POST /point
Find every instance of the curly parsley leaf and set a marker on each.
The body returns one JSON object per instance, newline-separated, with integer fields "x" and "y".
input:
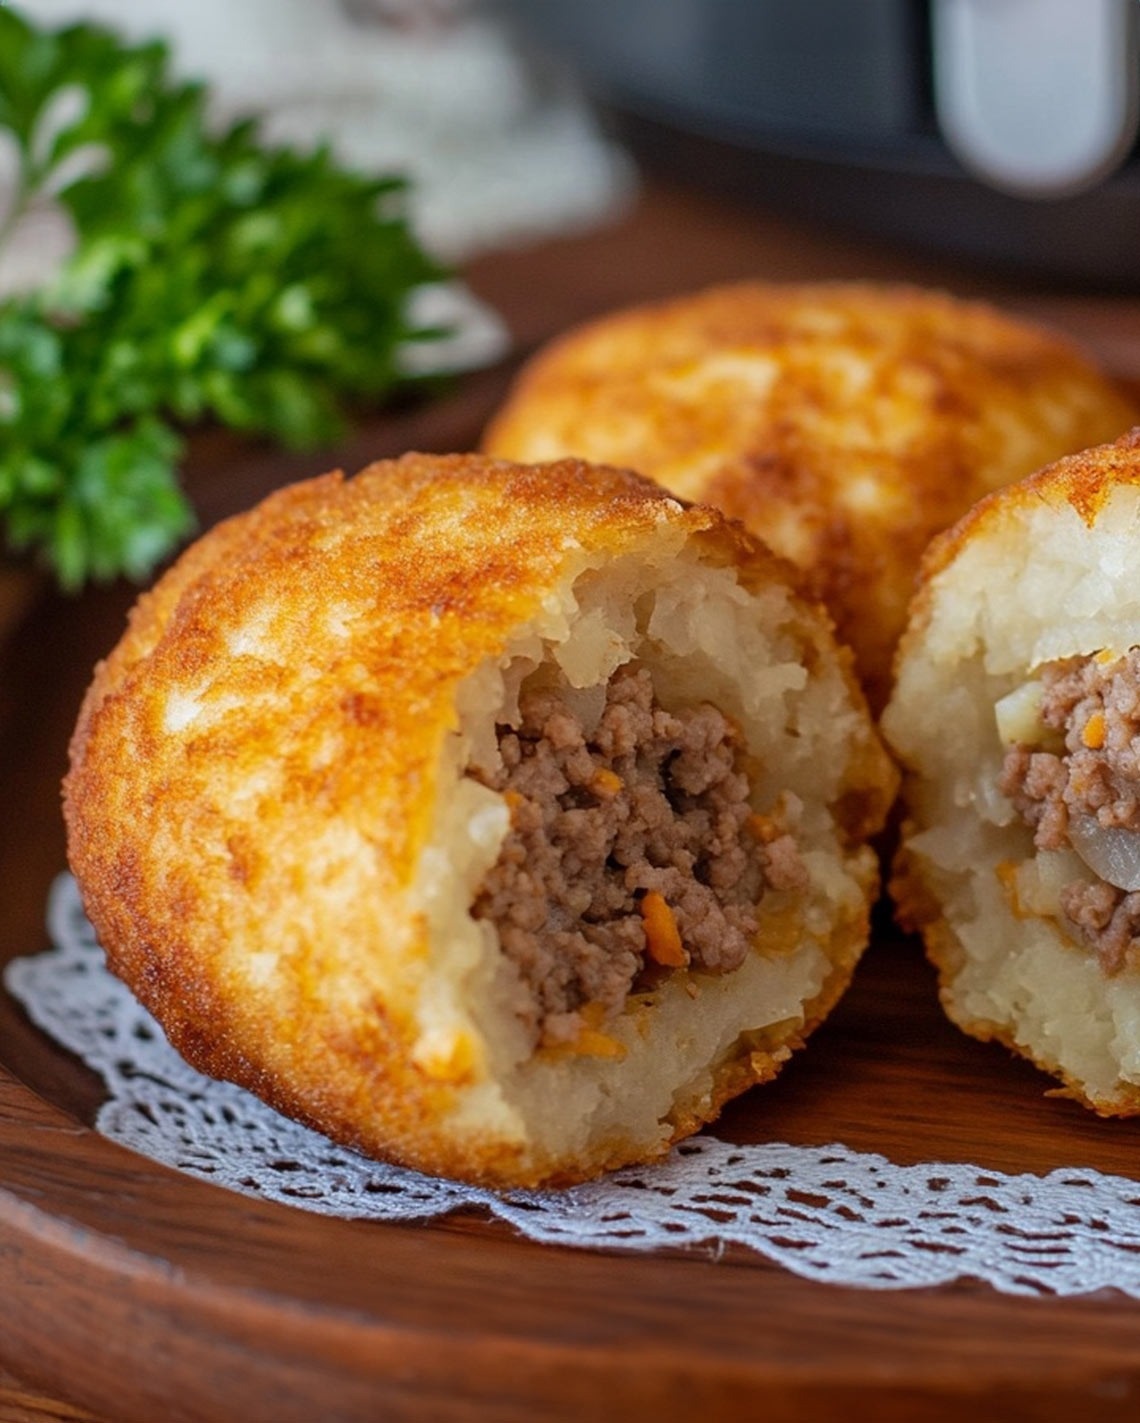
{"x": 213, "y": 278}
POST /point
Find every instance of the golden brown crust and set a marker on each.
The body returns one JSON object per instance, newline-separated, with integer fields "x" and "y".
{"x": 253, "y": 774}
{"x": 845, "y": 423}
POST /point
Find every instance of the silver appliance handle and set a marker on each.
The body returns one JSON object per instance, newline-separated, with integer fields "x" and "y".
{"x": 1037, "y": 97}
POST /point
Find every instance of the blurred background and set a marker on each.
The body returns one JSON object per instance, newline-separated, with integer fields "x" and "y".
{"x": 501, "y": 146}
{"x": 1002, "y": 132}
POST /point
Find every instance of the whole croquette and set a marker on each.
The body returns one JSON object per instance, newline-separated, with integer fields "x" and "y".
{"x": 844, "y": 423}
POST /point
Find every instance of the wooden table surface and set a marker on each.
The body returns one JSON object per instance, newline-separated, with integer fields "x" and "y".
{"x": 129, "y": 1294}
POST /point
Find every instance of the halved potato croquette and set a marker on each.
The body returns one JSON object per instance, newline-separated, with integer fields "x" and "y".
{"x": 1016, "y": 716}
{"x": 500, "y": 821}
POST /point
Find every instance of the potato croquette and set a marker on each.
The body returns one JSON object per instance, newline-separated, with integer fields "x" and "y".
{"x": 844, "y": 423}
{"x": 1017, "y": 720}
{"x": 499, "y": 821}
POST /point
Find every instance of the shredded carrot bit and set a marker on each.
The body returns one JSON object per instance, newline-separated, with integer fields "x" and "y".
{"x": 1006, "y": 873}
{"x": 662, "y": 937}
{"x": 605, "y": 782}
{"x": 1093, "y": 733}
{"x": 593, "y": 1014}
{"x": 763, "y": 828}
{"x": 591, "y": 1040}
{"x": 591, "y": 1043}
{"x": 513, "y": 799}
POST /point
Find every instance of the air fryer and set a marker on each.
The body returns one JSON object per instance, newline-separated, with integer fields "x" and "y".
{"x": 1002, "y": 131}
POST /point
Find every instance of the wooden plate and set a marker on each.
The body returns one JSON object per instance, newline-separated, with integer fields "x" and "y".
{"x": 143, "y": 1294}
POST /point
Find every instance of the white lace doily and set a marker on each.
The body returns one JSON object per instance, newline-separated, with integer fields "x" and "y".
{"x": 827, "y": 1213}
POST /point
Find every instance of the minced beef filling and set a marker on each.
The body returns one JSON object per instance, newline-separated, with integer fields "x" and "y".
{"x": 1094, "y": 704}
{"x": 648, "y": 802}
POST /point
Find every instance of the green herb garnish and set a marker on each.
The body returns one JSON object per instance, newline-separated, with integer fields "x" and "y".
{"x": 213, "y": 278}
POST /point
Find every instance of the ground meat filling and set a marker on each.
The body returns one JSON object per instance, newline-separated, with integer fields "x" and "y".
{"x": 1092, "y": 787}
{"x": 633, "y": 849}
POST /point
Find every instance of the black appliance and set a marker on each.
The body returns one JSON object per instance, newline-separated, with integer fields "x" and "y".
{"x": 996, "y": 130}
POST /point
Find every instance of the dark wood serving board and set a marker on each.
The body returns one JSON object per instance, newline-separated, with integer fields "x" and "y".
{"x": 129, "y": 1293}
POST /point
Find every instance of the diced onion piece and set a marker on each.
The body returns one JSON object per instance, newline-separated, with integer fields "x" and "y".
{"x": 1040, "y": 879}
{"x": 1109, "y": 851}
{"x": 587, "y": 704}
{"x": 1018, "y": 716}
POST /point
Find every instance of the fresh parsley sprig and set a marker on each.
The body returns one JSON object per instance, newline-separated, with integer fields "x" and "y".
{"x": 213, "y": 279}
